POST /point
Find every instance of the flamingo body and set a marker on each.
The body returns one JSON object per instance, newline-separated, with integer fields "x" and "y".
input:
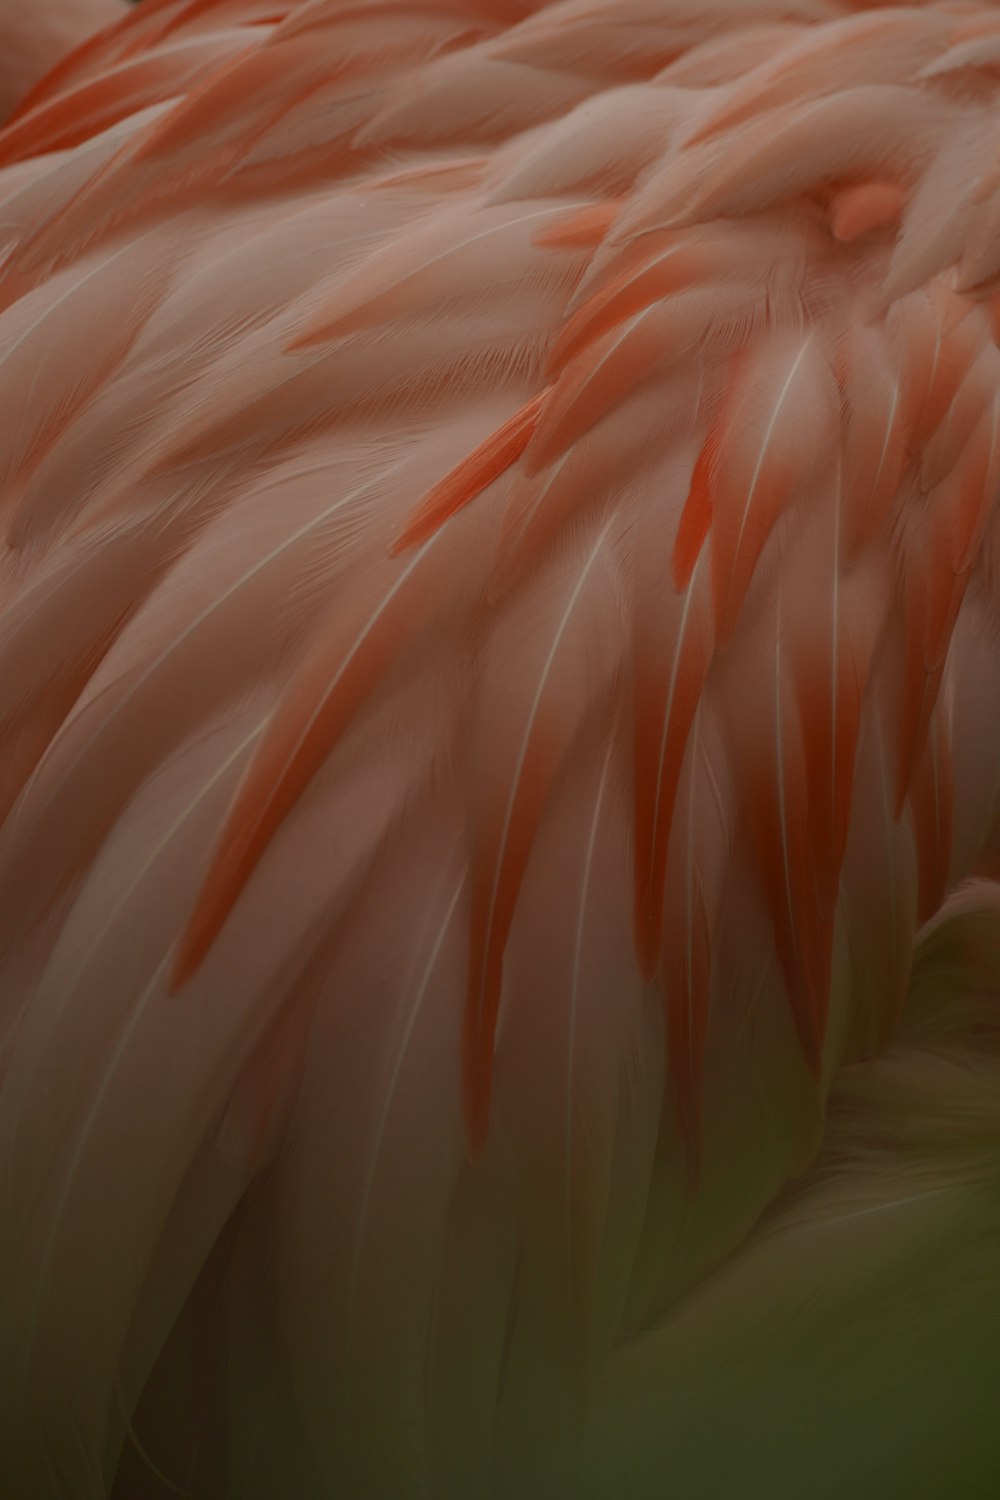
{"x": 499, "y": 631}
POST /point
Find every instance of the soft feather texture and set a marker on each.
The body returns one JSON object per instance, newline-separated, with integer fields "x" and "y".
{"x": 499, "y": 633}
{"x": 34, "y": 38}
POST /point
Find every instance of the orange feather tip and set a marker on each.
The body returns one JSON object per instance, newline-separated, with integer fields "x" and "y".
{"x": 583, "y": 229}
{"x": 309, "y": 337}
{"x": 214, "y": 904}
{"x": 188, "y": 959}
{"x": 471, "y": 477}
{"x": 696, "y": 517}
{"x": 641, "y": 280}
{"x": 859, "y": 210}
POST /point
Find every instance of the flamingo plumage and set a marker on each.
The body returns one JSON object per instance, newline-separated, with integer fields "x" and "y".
{"x": 499, "y": 823}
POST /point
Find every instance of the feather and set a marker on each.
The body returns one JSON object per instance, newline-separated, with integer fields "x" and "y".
{"x": 965, "y": 496}
{"x": 596, "y": 381}
{"x": 685, "y": 959}
{"x": 874, "y": 49}
{"x": 634, "y": 38}
{"x": 931, "y": 809}
{"x": 364, "y": 636}
{"x": 673, "y": 644}
{"x": 195, "y": 144}
{"x": 470, "y": 97}
{"x": 131, "y": 1023}
{"x": 605, "y": 468}
{"x": 780, "y": 390}
{"x": 936, "y": 574}
{"x": 506, "y": 532}
{"x": 205, "y": 636}
{"x": 774, "y": 794}
{"x": 940, "y": 215}
{"x": 879, "y": 882}
{"x": 696, "y": 517}
{"x": 836, "y": 619}
{"x": 600, "y": 148}
{"x": 582, "y": 228}
{"x": 940, "y": 340}
{"x": 683, "y": 262}
{"x": 38, "y": 191}
{"x": 474, "y": 475}
{"x": 100, "y": 310}
{"x": 972, "y": 695}
{"x": 565, "y": 1073}
{"x": 970, "y": 52}
{"x": 979, "y": 262}
{"x": 55, "y": 634}
{"x": 875, "y": 437}
{"x": 861, "y": 210}
{"x": 558, "y": 675}
{"x": 78, "y": 114}
{"x": 873, "y": 130}
{"x": 430, "y": 265}
{"x": 728, "y": 57}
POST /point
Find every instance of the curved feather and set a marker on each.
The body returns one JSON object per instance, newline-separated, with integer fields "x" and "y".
{"x": 783, "y": 388}
{"x": 546, "y": 701}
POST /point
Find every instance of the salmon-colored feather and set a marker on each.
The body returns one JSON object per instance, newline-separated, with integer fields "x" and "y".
{"x": 880, "y": 46}
{"x": 476, "y": 473}
{"x": 543, "y": 509}
{"x": 869, "y": 206}
{"x": 693, "y": 892}
{"x": 933, "y": 591}
{"x": 696, "y": 517}
{"x": 674, "y": 642}
{"x": 590, "y": 387}
{"x": 963, "y": 497}
{"x": 687, "y": 983}
{"x": 543, "y": 720}
{"x": 840, "y": 617}
{"x": 676, "y": 267}
{"x": 429, "y": 266}
{"x": 930, "y": 799}
{"x": 77, "y": 114}
{"x": 581, "y": 229}
{"x": 775, "y": 394}
{"x": 774, "y": 783}
{"x": 342, "y": 670}
{"x": 875, "y": 436}
{"x": 657, "y": 339}
{"x": 941, "y": 339}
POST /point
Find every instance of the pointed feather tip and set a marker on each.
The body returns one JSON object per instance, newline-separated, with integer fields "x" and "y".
{"x": 216, "y": 898}
{"x": 313, "y": 334}
{"x": 582, "y": 229}
{"x": 696, "y": 517}
{"x": 327, "y": 327}
{"x": 471, "y": 477}
{"x": 188, "y": 959}
{"x": 421, "y": 526}
{"x": 914, "y": 728}
{"x": 862, "y": 208}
